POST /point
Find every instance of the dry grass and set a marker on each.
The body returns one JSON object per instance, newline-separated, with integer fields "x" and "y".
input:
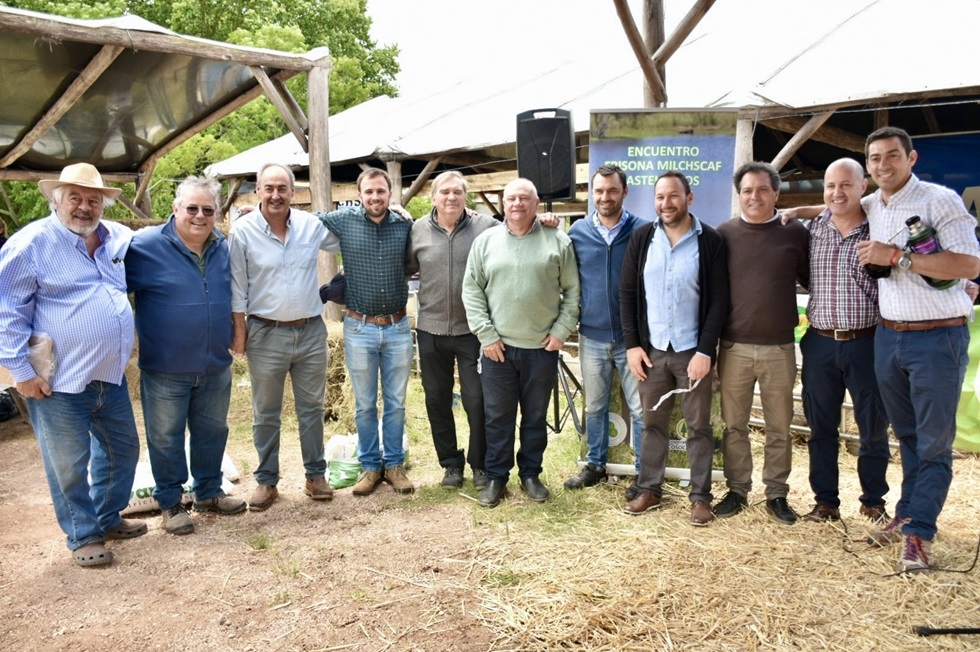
{"x": 614, "y": 582}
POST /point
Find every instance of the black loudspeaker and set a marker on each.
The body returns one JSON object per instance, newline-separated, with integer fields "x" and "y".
{"x": 546, "y": 152}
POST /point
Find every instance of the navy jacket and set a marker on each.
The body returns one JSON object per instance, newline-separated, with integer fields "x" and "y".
{"x": 599, "y": 268}
{"x": 183, "y": 319}
{"x": 713, "y": 301}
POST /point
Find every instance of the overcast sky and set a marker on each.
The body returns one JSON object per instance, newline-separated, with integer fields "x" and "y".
{"x": 443, "y": 41}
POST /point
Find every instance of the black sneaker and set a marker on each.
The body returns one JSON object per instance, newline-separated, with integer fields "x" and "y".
{"x": 480, "y": 478}
{"x": 589, "y": 476}
{"x": 730, "y": 505}
{"x": 780, "y": 511}
{"x": 453, "y": 479}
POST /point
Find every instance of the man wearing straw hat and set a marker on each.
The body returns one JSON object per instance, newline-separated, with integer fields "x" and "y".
{"x": 64, "y": 276}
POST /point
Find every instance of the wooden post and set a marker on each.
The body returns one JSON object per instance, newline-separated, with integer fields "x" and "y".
{"x": 319, "y": 141}
{"x": 744, "y": 129}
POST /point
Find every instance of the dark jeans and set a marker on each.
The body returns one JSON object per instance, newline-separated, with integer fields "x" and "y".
{"x": 437, "y": 356}
{"x": 830, "y": 367}
{"x": 526, "y": 378}
{"x": 920, "y": 375}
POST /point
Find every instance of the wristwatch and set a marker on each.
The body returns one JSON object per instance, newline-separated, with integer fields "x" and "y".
{"x": 905, "y": 261}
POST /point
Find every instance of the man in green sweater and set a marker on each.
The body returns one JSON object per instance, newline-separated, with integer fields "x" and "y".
{"x": 521, "y": 293}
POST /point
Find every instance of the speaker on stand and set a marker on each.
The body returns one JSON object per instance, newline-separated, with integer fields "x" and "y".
{"x": 546, "y": 152}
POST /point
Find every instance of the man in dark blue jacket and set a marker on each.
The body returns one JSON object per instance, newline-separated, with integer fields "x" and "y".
{"x": 180, "y": 277}
{"x": 600, "y": 242}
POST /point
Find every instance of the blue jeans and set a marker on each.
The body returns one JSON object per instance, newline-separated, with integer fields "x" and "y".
{"x": 598, "y": 361}
{"x": 526, "y": 377}
{"x": 173, "y": 404}
{"x": 301, "y": 352}
{"x": 830, "y": 367}
{"x": 438, "y": 356}
{"x": 72, "y": 429}
{"x": 370, "y": 351}
{"x": 920, "y": 374}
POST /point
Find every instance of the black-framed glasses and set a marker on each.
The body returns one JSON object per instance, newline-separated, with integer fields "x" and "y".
{"x": 193, "y": 209}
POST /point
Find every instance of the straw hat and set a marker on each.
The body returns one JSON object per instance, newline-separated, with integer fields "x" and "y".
{"x": 80, "y": 174}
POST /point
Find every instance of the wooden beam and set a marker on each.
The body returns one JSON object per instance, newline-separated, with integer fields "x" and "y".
{"x": 52, "y": 29}
{"x": 881, "y": 120}
{"x": 233, "y": 187}
{"x": 801, "y": 136}
{"x": 294, "y": 108}
{"x": 82, "y": 83}
{"x": 420, "y": 180}
{"x": 636, "y": 43}
{"x": 682, "y": 31}
{"x": 146, "y": 175}
{"x": 489, "y": 204}
{"x": 33, "y": 175}
{"x": 281, "y": 105}
{"x": 931, "y": 120}
{"x": 781, "y": 138}
{"x": 825, "y": 134}
{"x": 233, "y": 105}
{"x": 395, "y": 172}
{"x": 653, "y": 11}
{"x": 122, "y": 199}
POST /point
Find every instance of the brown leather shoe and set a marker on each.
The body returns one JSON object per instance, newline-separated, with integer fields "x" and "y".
{"x": 367, "y": 483}
{"x": 127, "y": 529}
{"x": 876, "y": 514}
{"x": 398, "y": 479}
{"x": 644, "y": 502}
{"x": 821, "y": 513}
{"x": 318, "y": 489}
{"x": 701, "y": 513}
{"x": 262, "y": 498}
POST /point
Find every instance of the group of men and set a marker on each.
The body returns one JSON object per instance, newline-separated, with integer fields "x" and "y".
{"x": 660, "y": 302}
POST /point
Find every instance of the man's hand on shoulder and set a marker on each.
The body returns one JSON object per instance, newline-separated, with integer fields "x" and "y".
{"x": 550, "y": 219}
{"x": 801, "y": 213}
{"x": 34, "y": 388}
{"x": 398, "y": 209}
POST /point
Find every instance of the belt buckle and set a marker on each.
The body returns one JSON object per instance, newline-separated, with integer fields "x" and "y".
{"x": 842, "y": 338}
{"x": 383, "y": 320}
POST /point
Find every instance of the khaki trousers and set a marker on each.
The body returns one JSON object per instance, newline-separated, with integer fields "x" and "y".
{"x": 773, "y": 366}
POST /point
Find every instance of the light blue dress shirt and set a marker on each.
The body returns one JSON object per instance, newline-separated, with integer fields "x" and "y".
{"x": 670, "y": 280}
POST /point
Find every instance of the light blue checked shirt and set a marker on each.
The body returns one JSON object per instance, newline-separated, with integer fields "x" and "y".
{"x": 50, "y": 285}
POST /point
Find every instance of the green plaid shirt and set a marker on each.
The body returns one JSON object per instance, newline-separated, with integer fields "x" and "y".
{"x": 374, "y": 259}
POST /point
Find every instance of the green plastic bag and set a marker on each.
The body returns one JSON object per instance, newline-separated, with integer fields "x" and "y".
{"x": 343, "y": 472}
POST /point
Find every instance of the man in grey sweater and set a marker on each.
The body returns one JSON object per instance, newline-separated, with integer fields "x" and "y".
{"x": 441, "y": 244}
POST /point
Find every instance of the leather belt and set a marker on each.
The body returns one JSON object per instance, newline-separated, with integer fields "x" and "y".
{"x": 926, "y": 325}
{"x": 841, "y": 335}
{"x": 275, "y": 324}
{"x": 377, "y": 320}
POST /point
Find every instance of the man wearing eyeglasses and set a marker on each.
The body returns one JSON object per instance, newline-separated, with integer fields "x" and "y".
{"x": 180, "y": 278}
{"x": 273, "y": 281}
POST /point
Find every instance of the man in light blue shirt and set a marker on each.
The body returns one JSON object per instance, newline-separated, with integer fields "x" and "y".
{"x": 273, "y": 255}
{"x": 64, "y": 276}
{"x": 674, "y": 301}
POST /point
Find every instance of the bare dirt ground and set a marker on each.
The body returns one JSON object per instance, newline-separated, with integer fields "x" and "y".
{"x": 435, "y": 572}
{"x": 348, "y": 574}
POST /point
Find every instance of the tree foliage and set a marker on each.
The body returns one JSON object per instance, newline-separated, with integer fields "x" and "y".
{"x": 361, "y": 70}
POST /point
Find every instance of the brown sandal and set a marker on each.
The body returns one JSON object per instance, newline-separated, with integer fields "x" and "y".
{"x": 92, "y": 554}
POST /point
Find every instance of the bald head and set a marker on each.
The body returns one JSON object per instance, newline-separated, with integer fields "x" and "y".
{"x": 843, "y": 186}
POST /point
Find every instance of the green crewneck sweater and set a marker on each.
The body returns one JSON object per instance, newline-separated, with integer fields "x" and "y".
{"x": 520, "y": 289}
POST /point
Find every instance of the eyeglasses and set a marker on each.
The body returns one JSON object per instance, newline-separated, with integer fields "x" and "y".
{"x": 192, "y": 210}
